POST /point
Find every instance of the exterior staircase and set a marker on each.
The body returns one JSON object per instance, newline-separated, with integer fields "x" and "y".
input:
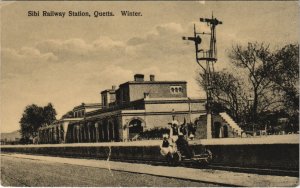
{"x": 231, "y": 123}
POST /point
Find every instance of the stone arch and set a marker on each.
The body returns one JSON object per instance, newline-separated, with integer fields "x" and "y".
{"x": 101, "y": 131}
{"x": 97, "y": 130}
{"x": 136, "y": 118}
{"x": 116, "y": 129}
{"x": 113, "y": 129}
{"x": 105, "y": 134}
{"x": 135, "y": 126}
{"x": 92, "y": 131}
{"x": 217, "y": 129}
{"x": 110, "y": 129}
{"x": 225, "y": 131}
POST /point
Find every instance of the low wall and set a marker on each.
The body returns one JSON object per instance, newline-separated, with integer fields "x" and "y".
{"x": 255, "y": 154}
{"x": 279, "y": 156}
{"x": 140, "y": 153}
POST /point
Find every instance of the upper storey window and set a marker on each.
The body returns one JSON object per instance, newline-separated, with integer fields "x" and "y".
{"x": 176, "y": 89}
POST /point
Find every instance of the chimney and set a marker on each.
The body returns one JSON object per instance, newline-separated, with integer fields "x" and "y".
{"x": 138, "y": 77}
{"x": 113, "y": 87}
{"x": 152, "y": 77}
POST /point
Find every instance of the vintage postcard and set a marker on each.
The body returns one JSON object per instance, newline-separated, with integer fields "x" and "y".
{"x": 149, "y": 93}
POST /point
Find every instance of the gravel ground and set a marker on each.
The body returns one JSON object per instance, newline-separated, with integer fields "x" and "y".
{"x": 27, "y": 172}
{"x": 34, "y": 170}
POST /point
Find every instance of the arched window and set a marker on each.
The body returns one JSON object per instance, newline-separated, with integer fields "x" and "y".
{"x": 225, "y": 129}
{"x": 217, "y": 129}
{"x": 135, "y": 128}
{"x": 176, "y": 89}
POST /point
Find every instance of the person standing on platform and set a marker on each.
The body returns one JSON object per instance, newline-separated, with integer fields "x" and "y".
{"x": 174, "y": 130}
{"x": 182, "y": 143}
{"x": 191, "y": 131}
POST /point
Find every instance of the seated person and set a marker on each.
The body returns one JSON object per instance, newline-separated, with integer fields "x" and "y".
{"x": 165, "y": 143}
{"x": 166, "y": 147}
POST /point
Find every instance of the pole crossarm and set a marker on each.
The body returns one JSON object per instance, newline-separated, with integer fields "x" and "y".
{"x": 206, "y": 60}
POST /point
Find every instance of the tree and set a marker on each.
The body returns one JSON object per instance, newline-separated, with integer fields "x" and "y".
{"x": 256, "y": 60}
{"x": 284, "y": 73}
{"x": 226, "y": 92}
{"x": 263, "y": 82}
{"x": 33, "y": 118}
{"x": 49, "y": 114}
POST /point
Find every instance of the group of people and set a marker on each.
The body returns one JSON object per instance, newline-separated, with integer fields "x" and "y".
{"x": 177, "y": 140}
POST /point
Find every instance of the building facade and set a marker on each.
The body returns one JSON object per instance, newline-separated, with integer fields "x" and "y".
{"x": 126, "y": 112}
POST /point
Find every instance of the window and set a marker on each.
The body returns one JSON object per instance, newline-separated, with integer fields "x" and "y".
{"x": 176, "y": 89}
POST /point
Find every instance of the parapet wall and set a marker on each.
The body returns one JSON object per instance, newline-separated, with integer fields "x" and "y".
{"x": 279, "y": 156}
{"x": 261, "y": 155}
{"x": 138, "y": 153}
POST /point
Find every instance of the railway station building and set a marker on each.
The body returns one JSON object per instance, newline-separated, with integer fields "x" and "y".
{"x": 127, "y": 111}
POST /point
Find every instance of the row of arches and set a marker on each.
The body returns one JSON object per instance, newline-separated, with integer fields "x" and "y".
{"x": 97, "y": 131}
{"x": 107, "y": 130}
{"x": 52, "y": 135}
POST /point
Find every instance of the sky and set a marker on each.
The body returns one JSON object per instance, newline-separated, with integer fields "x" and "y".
{"x": 70, "y": 60}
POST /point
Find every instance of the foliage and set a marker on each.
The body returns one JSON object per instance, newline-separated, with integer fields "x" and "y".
{"x": 285, "y": 76}
{"x": 226, "y": 92}
{"x": 49, "y": 114}
{"x": 155, "y": 133}
{"x": 266, "y": 82}
{"x": 256, "y": 59}
{"x": 33, "y": 118}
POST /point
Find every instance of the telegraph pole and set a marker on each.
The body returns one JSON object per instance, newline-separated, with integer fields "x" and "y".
{"x": 206, "y": 60}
